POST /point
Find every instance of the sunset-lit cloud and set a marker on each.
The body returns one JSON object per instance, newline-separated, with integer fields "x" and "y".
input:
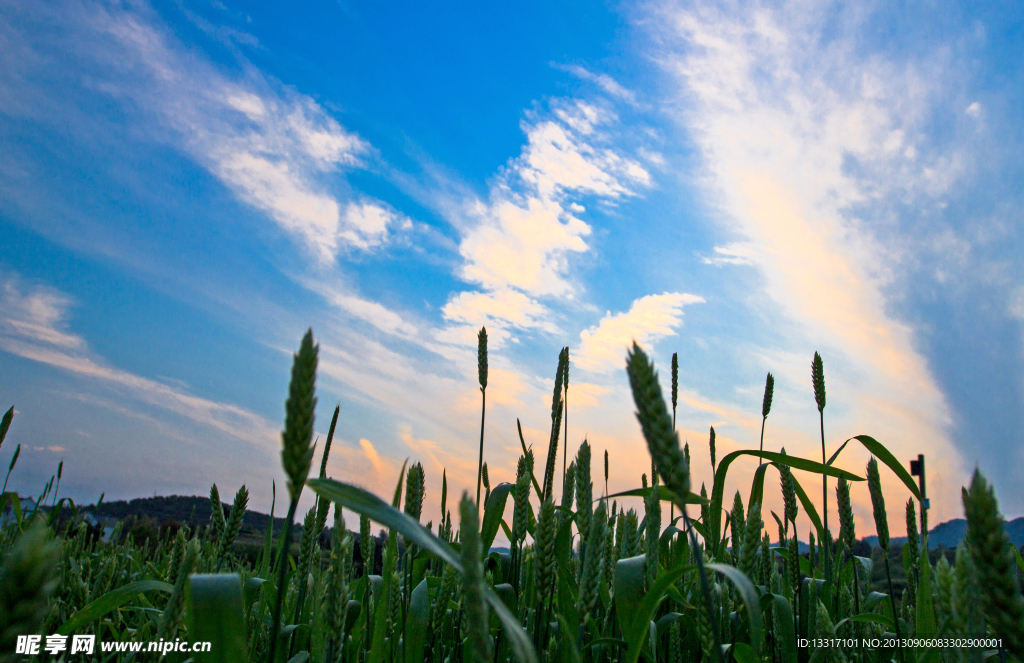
{"x": 602, "y": 349}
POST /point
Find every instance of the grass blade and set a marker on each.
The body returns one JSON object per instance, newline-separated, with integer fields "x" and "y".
{"x": 664, "y": 494}
{"x": 112, "y": 600}
{"x": 367, "y": 504}
{"x": 778, "y": 458}
{"x": 217, "y": 617}
{"x": 645, "y": 609}
{"x": 494, "y": 510}
{"x": 750, "y": 599}
{"x": 416, "y": 624}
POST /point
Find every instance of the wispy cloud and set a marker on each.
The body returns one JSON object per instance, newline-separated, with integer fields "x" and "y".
{"x": 731, "y": 254}
{"x": 779, "y": 121}
{"x": 34, "y": 325}
{"x": 604, "y": 81}
{"x": 274, "y": 147}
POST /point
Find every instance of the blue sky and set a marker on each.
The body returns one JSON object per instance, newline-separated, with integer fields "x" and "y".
{"x": 185, "y": 188}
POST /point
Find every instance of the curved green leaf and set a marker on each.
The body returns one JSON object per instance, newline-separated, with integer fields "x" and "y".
{"x": 879, "y": 451}
{"x": 795, "y": 462}
{"x": 809, "y": 509}
{"x": 611, "y": 642}
{"x": 757, "y": 488}
{"x": 784, "y": 624}
{"x": 112, "y": 600}
{"x": 874, "y": 598}
{"x": 569, "y": 642}
{"x": 629, "y": 589}
{"x": 252, "y": 586}
{"x": 640, "y": 621}
{"x": 750, "y": 599}
{"x": 664, "y": 494}
{"x": 367, "y": 504}
{"x": 494, "y": 509}
{"x": 868, "y": 617}
{"x": 744, "y": 653}
{"x": 805, "y": 566}
{"x": 416, "y": 624}
{"x": 522, "y": 442}
{"x": 522, "y": 647}
{"x": 833, "y": 457}
{"x": 217, "y": 617}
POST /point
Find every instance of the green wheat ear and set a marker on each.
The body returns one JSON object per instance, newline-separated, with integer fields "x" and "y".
{"x": 27, "y": 579}
{"x": 913, "y": 537}
{"x": 846, "y": 524}
{"x": 176, "y": 602}
{"x": 675, "y": 380}
{"x": 769, "y": 390}
{"x": 234, "y": 522}
{"x": 330, "y": 439}
{"x": 584, "y": 491}
{"x": 878, "y": 505}
{"x": 711, "y": 446}
{"x": 296, "y": 452}
{"x": 216, "y": 512}
{"x": 593, "y": 563}
{"x": 991, "y": 551}
{"x": 481, "y": 357}
{"x": 5, "y": 423}
{"x": 662, "y": 440}
{"x": 818, "y": 378}
{"x": 788, "y": 492}
{"x": 415, "y": 491}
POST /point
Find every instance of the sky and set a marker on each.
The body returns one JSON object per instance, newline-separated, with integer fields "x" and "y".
{"x": 186, "y": 187}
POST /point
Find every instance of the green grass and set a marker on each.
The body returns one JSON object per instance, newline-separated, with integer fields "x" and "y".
{"x": 663, "y": 586}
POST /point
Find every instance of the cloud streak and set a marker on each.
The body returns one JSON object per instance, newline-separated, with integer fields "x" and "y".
{"x": 275, "y": 148}
{"x": 33, "y": 325}
{"x": 778, "y": 122}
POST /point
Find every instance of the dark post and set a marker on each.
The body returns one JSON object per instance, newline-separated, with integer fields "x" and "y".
{"x": 917, "y": 470}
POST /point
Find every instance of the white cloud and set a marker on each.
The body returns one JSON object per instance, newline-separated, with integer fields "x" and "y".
{"x": 523, "y": 238}
{"x": 374, "y": 313}
{"x": 778, "y": 114}
{"x": 33, "y": 325}
{"x": 271, "y": 145}
{"x": 603, "y": 348}
{"x": 524, "y": 247}
{"x": 731, "y": 254}
{"x": 604, "y": 81}
{"x": 366, "y": 224}
{"x": 41, "y": 315}
{"x": 478, "y": 309}
{"x": 974, "y": 110}
{"x": 558, "y": 157}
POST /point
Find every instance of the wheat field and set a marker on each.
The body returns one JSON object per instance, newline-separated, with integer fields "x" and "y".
{"x": 693, "y": 576}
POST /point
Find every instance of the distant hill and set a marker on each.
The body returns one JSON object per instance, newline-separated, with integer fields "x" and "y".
{"x": 184, "y": 510}
{"x": 196, "y": 511}
{"x": 949, "y": 534}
